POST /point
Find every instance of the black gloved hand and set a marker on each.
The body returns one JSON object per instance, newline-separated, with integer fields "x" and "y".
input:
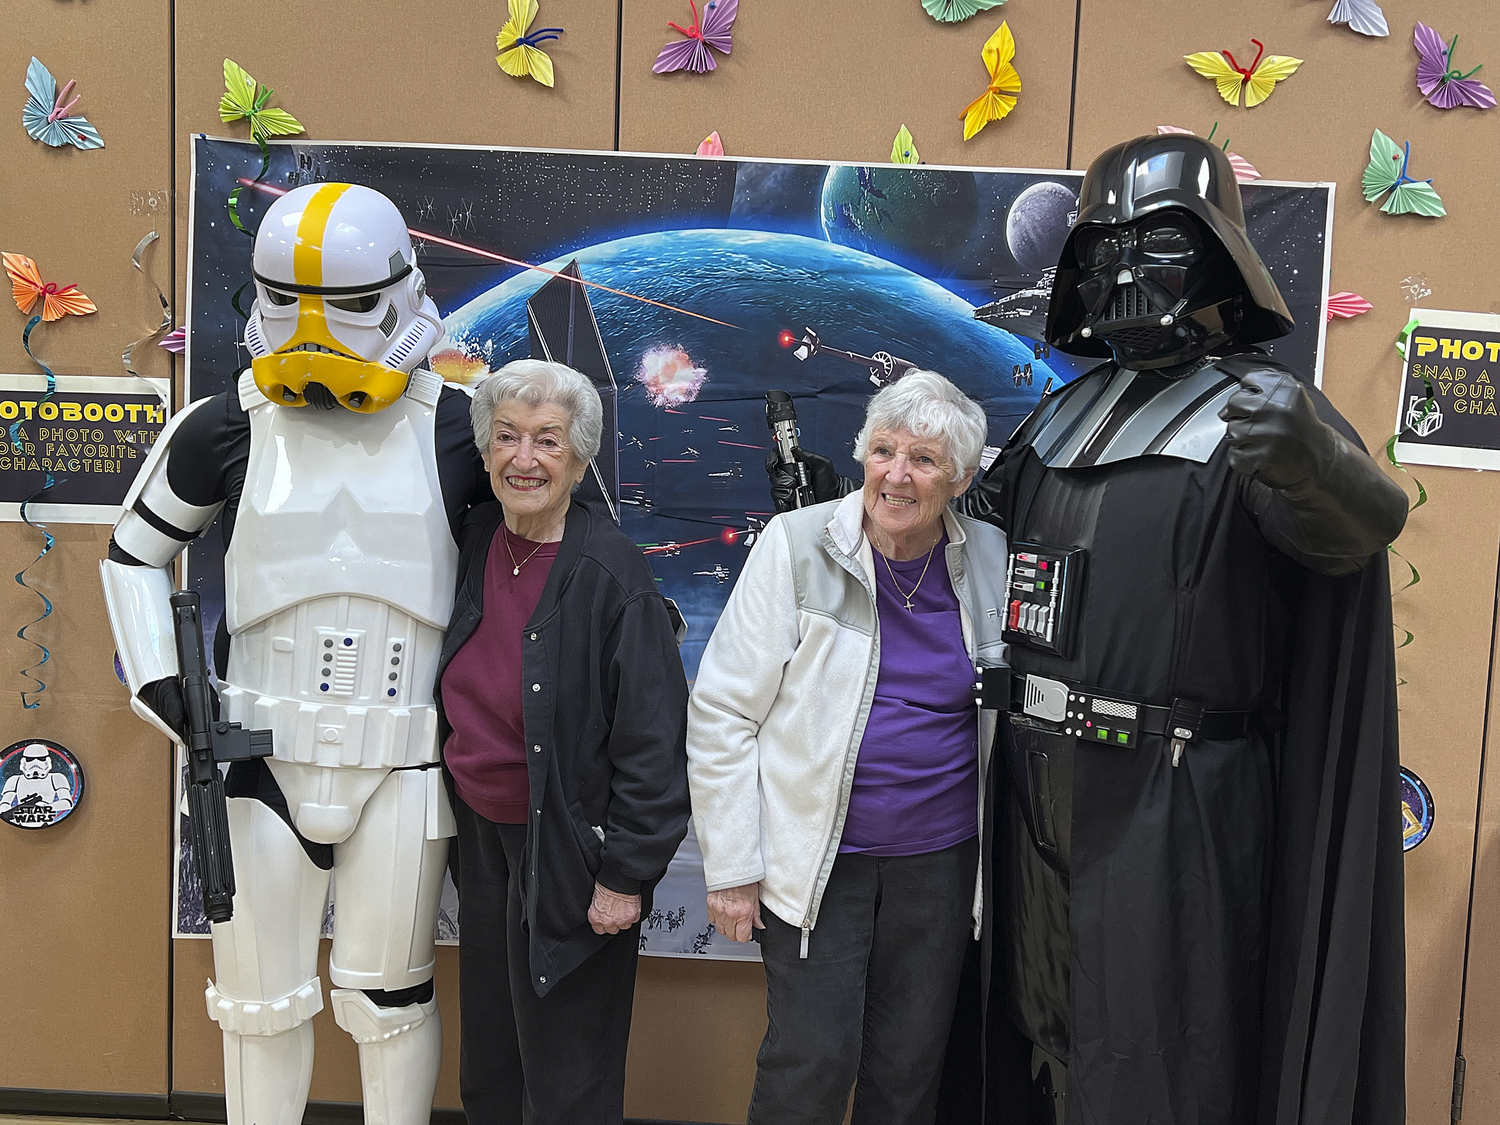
{"x": 1275, "y": 434}
{"x": 826, "y": 482}
{"x": 164, "y": 696}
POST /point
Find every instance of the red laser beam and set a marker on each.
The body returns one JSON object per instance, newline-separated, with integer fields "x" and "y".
{"x": 740, "y": 444}
{"x": 475, "y": 250}
{"x": 679, "y": 546}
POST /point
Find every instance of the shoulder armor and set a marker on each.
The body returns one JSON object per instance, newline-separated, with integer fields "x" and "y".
{"x": 1118, "y": 415}
{"x": 250, "y": 396}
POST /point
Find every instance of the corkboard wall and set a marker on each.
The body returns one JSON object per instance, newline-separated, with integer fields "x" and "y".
{"x": 832, "y": 81}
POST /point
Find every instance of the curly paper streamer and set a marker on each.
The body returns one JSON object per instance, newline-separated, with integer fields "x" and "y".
{"x": 1428, "y": 406}
{"x": 47, "y": 539}
{"x": 127, "y": 357}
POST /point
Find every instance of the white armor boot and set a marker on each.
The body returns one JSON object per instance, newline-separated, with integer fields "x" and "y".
{"x": 338, "y": 586}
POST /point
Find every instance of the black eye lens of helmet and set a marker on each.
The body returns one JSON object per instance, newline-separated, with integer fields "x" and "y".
{"x": 361, "y": 304}
{"x": 1100, "y": 251}
{"x": 277, "y": 297}
{"x": 1167, "y": 241}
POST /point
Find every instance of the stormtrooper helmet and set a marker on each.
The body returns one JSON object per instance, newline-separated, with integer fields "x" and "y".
{"x": 341, "y": 312}
{"x": 36, "y": 762}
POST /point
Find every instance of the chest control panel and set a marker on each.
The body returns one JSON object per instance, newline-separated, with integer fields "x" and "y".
{"x": 1042, "y": 588}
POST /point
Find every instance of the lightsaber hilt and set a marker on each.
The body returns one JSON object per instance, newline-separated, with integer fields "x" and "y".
{"x": 781, "y": 417}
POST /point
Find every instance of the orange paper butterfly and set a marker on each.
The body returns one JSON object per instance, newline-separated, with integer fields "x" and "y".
{"x": 57, "y": 301}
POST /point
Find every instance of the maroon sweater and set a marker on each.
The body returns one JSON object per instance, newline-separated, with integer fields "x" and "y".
{"x": 486, "y": 753}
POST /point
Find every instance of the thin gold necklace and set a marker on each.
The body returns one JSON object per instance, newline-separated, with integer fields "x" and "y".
{"x": 904, "y": 595}
{"x": 516, "y": 566}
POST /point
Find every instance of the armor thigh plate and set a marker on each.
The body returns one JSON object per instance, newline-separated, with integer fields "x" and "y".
{"x": 1041, "y": 768}
{"x": 339, "y": 681}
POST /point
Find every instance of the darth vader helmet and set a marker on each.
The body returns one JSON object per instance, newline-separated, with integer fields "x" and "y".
{"x": 1157, "y": 271}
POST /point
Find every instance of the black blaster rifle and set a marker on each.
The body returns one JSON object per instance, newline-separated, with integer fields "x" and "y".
{"x": 209, "y": 742}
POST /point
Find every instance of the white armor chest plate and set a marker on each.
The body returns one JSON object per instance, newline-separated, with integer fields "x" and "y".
{"x": 338, "y": 584}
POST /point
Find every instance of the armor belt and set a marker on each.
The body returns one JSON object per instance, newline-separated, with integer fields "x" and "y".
{"x": 1101, "y": 716}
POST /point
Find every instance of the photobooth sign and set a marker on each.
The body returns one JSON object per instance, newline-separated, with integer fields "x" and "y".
{"x": 1449, "y": 413}
{"x": 708, "y": 282}
{"x": 90, "y": 435}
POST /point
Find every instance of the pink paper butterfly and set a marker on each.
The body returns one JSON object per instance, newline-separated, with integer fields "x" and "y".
{"x": 693, "y": 52}
{"x": 711, "y": 145}
{"x": 1442, "y": 86}
{"x": 1347, "y": 304}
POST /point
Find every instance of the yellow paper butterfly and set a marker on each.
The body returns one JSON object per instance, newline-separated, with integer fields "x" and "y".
{"x": 244, "y": 97}
{"x": 1257, "y": 80}
{"x": 1005, "y": 83}
{"x": 519, "y": 56}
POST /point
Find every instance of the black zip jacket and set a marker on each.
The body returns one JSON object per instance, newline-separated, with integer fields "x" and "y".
{"x": 604, "y": 707}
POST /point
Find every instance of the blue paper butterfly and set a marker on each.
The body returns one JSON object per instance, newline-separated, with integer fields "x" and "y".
{"x": 45, "y": 115}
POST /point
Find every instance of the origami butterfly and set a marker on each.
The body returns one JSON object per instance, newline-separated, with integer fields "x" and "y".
{"x": 519, "y": 56}
{"x": 1363, "y": 16}
{"x": 693, "y": 52}
{"x": 711, "y": 145}
{"x": 903, "y": 149}
{"x": 951, "y": 11}
{"x": 1347, "y": 304}
{"x": 1257, "y": 80}
{"x": 45, "y": 115}
{"x": 1442, "y": 87}
{"x": 1387, "y": 172}
{"x": 1005, "y": 84}
{"x": 1244, "y": 171}
{"x": 57, "y": 302}
{"x": 246, "y": 98}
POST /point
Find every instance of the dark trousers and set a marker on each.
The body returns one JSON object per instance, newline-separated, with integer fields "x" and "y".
{"x": 871, "y": 1005}
{"x": 529, "y": 1060}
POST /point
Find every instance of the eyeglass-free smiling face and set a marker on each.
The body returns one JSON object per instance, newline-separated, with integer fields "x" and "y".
{"x": 532, "y": 468}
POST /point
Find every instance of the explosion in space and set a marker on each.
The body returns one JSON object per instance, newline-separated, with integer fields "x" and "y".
{"x": 669, "y": 375}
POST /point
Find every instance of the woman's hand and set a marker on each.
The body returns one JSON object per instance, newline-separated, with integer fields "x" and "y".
{"x": 610, "y": 913}
{"x": 735, "y": 911}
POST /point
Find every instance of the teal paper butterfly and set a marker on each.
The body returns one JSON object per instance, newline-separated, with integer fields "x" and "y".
{"x": 46, "y": 116}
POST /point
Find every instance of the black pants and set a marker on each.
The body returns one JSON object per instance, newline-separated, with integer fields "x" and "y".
{"x": 529, "y": 1060}
{"x": 871, "y": 1005}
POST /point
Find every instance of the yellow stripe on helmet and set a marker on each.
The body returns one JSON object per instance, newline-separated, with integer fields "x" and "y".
{"x": 307, "y": 253}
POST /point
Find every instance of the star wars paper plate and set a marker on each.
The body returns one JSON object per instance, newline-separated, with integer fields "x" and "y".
{"x": 41, "y": 783}
{"x": 1417, "y": 810}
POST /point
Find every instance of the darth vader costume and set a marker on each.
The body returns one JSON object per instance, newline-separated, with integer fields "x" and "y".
{"x": 1197, "y": 904}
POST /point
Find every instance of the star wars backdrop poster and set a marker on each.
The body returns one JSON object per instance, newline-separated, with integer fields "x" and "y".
{"x": 710, "y": 282}
{"x": 1453, "y": 357}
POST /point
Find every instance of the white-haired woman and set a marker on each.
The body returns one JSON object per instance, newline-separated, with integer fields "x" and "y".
{"x": 837, "y": 766}
{"x": 562, "y": 720}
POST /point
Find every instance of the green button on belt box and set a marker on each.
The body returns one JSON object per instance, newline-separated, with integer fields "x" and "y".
{"x": 1101, "y": 733}
{"x": 1122, "y": 736}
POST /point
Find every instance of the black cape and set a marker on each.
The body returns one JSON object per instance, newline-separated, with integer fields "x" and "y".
{"x": 1235, "y": 948}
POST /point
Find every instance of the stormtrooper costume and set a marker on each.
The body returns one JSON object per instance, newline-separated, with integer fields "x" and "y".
{"x": 37, "y": 781}
{"x": 342, "y": 471}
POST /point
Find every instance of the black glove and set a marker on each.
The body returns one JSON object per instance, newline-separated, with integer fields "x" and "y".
{"x": 826, "y": 482}
{"x": 1316, "y": 495}
{"x": 164, "y": 696}
{"x": 1275, "y": 434}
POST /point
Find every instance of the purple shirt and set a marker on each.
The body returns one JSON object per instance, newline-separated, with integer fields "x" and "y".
{"x": 916, "y": 782}
{"x": 486, "y": 752}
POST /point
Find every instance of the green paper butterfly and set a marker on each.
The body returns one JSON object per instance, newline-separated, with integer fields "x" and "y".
{"x": 1387, "y": 172}
{"x": 244, "y": 97}
{"x": 903, "y": 149}
{"x": 951, "y": 11}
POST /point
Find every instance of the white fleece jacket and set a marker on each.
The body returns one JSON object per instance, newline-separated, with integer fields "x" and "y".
{"x": 784, "y": 690}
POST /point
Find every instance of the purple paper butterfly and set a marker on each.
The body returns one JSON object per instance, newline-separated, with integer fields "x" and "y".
{"x": 693, "y": 52}
{"x": 1442, "y": 86}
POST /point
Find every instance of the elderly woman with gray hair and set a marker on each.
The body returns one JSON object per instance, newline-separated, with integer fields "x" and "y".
{"x": 562, "y": 721}
{"x": 837, "y": 759}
